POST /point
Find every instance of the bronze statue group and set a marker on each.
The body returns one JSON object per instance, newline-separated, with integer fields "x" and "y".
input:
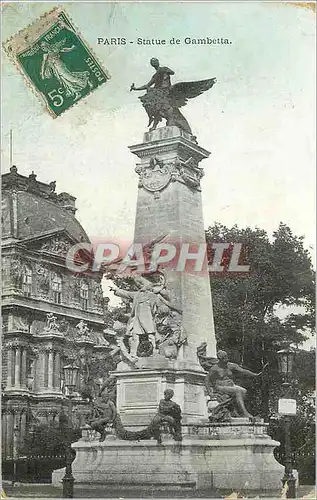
{"x": 169, "y": 413}
{"x": 220, "y": 387}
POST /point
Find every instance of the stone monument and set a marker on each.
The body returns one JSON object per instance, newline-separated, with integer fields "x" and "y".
{"x": 236, "y": 453}
{"x": 169, "y": 202}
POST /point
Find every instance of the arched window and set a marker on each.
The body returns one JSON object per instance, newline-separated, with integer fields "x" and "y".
{"x": 84, "y": 296}
{"x": 57, "y": 288}
{"x": 27, "y": 280}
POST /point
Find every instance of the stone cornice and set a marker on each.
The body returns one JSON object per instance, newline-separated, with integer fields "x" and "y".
{"x": 42, "y": 306}
{"x": 181, "y": 373}
{"x": 169, "y": 139}
{"x": 168, "y": 155}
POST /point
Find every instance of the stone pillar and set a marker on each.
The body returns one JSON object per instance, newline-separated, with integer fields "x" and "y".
{"x": 169, "y": 207}
{"x": 57, "y": 371}
{"x": 45, "y": 368}
{"x": 23, "y": 368}
{"x": 4, "y": 433}
{"x": 169, "y": 203}
{"x": 17, "y": 368}
{"x": 50, "y": 369}
{"x": 10, "y": 367}
{"x": 10, "y": 427}
{"x": 35, "y": 371}
{"x": 23, "y": 429}
{"x": 40, "y": 377}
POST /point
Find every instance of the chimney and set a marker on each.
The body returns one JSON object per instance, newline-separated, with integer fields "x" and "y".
{"x": 67, "y": 202}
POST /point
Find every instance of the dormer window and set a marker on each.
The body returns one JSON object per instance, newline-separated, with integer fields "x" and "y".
{"x": 57, "y": 289}
{"x": 27, "y": 280}
{"x": 84, "y": 296}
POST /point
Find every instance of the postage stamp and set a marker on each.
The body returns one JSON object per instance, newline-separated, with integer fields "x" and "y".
{"x": 56, "y": 61}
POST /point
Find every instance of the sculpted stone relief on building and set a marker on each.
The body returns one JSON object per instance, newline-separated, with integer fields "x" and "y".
{"x": 58, "y": 246}
{"x": 83, "y": 331}
{"x": 21, "y": 323}
{"x": 42, "y": 281}
{"x": 39, "y": 278}
{"x": 18, "y": 268}
{"x": 75, "y": 286}
{"x": 157, "y": 174}
{"x": 51, "y": 323}
{"x": 97, "y": 295}
{"x": 16, "y": 271}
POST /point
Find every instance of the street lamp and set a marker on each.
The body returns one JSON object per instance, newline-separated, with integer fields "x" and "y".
{"x": 70, "y": 381}
{"x": 285, "y": 362}
{"x": 287, "y": 407}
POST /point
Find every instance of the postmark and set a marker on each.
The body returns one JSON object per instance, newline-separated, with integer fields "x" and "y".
{"x": 56, "y": 61}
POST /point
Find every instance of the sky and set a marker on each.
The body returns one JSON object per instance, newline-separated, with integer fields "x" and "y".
{"x": 258, "y": 121}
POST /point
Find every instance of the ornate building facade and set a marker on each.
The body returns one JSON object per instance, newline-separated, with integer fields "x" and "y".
{"x": 49, "y": 314}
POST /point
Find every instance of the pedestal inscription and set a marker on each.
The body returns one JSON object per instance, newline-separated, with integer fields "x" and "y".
{"x": 138, "y": 393}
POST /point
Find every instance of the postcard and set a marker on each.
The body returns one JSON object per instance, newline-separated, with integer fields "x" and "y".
{"x": 158, "y": 239}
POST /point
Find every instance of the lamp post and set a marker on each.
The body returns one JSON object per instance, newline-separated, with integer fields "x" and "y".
{"x": 70, "y": 380}
{"x": 287, "y": 408}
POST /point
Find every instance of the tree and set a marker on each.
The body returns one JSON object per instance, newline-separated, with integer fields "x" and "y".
{"x": 49, "y": 439}
{"x": 245, "y": 307}
{"x": 250, "y": 327}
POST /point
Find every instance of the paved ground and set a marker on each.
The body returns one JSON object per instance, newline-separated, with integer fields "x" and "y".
{"x": 48, "y": 491}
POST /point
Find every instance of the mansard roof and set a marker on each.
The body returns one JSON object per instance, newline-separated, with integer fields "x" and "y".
{"x": 31, "y": 208}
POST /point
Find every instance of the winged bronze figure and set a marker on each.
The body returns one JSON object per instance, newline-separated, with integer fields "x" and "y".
{"x": 163, "y": 100}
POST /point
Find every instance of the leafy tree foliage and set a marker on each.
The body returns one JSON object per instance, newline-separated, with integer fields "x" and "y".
{"x": 49, "y": 439}
{"x": 250, "y": 326}
{"x": 281, "y": 274}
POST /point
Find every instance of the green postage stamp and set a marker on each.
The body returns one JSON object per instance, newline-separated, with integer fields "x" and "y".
{"x": 56, "y": 61}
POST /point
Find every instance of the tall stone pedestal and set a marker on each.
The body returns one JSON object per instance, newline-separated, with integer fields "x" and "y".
{"x": 236, "y": 456}
{"x": 169, "y": 204}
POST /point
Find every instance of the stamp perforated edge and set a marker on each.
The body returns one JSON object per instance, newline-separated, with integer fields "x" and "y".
{"x": 28, "y": 81}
